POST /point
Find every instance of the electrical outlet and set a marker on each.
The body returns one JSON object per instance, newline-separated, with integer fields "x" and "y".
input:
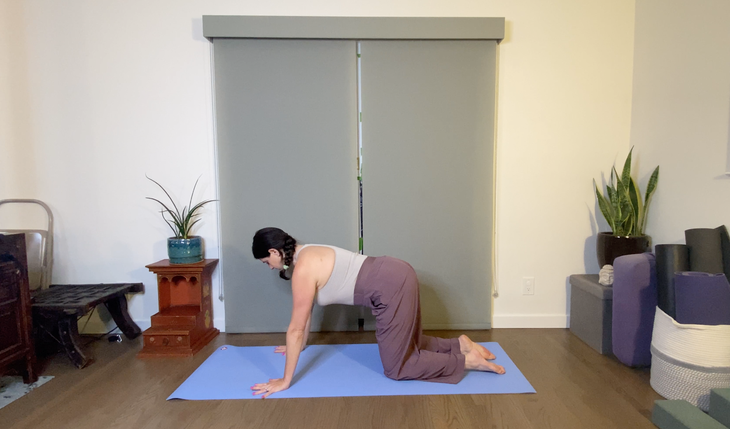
{"x": 528, "y": 285}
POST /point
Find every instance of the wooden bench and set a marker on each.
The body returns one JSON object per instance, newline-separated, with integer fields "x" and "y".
{"x": 56, "y": 311}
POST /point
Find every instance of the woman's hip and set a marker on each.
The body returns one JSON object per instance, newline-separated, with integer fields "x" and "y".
{"x": 382, "y": 279}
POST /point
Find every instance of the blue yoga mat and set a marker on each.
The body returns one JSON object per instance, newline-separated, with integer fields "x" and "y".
{"x": 332, "y": 371}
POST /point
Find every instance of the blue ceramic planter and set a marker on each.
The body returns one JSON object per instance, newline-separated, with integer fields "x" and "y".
{"x": 185, "y": 250}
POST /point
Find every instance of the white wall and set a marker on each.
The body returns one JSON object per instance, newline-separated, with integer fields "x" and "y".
{"x": 681, "y": 112}
{"x": 104, "y": 92}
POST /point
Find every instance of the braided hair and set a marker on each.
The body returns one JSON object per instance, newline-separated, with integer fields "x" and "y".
{"x": 274, "y": 238}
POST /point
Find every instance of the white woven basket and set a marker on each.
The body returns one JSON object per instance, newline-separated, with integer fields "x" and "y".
{"x": 689, "y": 360}
{"x": 703, "y": 345}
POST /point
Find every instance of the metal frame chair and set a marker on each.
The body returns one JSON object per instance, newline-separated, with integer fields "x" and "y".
{"x": 57, "y": 308}
{"x": 39, "y": 245}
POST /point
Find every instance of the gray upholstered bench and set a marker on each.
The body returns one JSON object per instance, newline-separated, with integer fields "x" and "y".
{"x": 591, "y": 311}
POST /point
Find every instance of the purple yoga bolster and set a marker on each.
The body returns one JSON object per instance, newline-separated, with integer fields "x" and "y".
{"x": 702, "y": 298}
{"x": 634, "y": 305}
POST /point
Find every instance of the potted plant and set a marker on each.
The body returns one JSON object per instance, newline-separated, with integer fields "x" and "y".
{"x": 182, "y": 247}
{"x": 626, "y": 214}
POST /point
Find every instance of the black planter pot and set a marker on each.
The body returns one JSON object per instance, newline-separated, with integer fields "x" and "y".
{"x": 610, "y": 247}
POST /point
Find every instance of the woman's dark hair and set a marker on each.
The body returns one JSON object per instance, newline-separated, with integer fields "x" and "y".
{"x": 274, "y": 238}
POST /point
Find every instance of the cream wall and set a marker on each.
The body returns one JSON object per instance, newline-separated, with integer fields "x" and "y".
{"x": 101, "y": 93}
{"x": 681, "y": 112}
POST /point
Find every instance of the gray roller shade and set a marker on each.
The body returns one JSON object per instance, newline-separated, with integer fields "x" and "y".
{"x": 428, "y": 128}
{"x": 352, "y": 28}
{"x": 286, "y": 114}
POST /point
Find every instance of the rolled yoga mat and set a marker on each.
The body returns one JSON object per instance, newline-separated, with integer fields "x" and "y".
{"x": 670, "y": 258}
{"x": 702, "y": 298}
{"x": 332, "y": 371}
{"x": 705, "y": 250}
{"x": 725, "y": 241}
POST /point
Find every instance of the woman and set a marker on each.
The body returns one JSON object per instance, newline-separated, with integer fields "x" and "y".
{"x": 331, "y": 275}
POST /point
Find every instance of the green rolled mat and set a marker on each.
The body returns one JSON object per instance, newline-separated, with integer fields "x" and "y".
{"x": 682, "y": 415}
{"x": 720, "y": 405}
{"x": 705, "y": 250}
{"x": 725, "y": 243}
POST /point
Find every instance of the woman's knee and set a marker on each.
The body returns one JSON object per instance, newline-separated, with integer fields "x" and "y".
{"x": 394, "y": 374}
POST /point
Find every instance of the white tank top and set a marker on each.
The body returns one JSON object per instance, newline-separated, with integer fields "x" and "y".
{"x": 340, "y": 288}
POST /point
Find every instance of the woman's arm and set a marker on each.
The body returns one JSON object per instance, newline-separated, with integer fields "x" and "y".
{"x": 304, "y": 288}
{"x": 282, "y": 349}
{"x": 306, "y": 329}
{"x": 303, "y": 291}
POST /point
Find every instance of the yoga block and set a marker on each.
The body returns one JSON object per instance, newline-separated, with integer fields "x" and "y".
{"x": 591, "y": 312}
{"x": 720, "y": 405}
{"x": 682, "y": 415}
{"x": 634, "y": 307}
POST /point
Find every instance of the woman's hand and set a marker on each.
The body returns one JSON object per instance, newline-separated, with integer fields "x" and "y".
{"x": 282, "y": 349}
{"x": 274, "y": 385}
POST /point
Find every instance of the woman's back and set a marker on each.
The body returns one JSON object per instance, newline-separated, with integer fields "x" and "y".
{"x": 334, "y": 269}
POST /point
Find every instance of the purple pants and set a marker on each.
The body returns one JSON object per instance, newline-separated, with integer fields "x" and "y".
{"x": 390, "y": 288}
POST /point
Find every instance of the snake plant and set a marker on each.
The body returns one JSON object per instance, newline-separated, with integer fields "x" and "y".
{"x": 622, "y": 207}
{"x": 181, "y": 222}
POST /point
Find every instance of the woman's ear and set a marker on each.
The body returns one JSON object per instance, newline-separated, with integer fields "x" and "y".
{"x": 274, "y": 252}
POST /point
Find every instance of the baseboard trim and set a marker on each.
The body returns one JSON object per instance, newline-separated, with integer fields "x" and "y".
{"x": 456, "y": 326}
{"x": 499, "y": 321}
{"x": 370, "y": 326}
{"x": 531, "y": 321}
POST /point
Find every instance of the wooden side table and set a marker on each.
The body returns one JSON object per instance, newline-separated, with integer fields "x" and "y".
{"x": 184, "y": 324}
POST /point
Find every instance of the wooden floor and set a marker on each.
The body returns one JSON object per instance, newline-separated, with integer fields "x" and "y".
{"x": 576, "y": 388}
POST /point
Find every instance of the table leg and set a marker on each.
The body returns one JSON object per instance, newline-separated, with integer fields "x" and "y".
{"x": 29, "y": 374}
{"x": 68, "y": 332}
{"x": 118, "y": 309}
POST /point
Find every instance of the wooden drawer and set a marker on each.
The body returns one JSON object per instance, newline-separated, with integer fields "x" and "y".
{"x": 10, "y": 330}
{"x": 161, "y": 340}
{"x": 9, "y": 282}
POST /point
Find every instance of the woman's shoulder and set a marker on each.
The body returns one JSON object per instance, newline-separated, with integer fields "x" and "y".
{"x": 312, "y": 249}
{"x": 314, "y": 258}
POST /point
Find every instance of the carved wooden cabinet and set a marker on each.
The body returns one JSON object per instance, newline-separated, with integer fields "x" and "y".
{"x": 184, "y": 323}
{"x": 16, "y": 323}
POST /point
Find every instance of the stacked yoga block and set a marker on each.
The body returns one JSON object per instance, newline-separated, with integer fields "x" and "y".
{"x": 672, "y": 311}
{"x": 678, "y": 414}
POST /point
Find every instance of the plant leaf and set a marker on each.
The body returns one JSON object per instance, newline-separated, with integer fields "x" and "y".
{"x": 165, "y": 191}
{"x": 650, "y": 188}
{"x": 637, "y": 206}
{"x": 175, "y": 217}
{"x": 626, "y": 174}
{"x": 190, "y": 204}
{"x": 605, "y": 207}
{"x": 181, "y": 222}
{"x": 625, "y": 207}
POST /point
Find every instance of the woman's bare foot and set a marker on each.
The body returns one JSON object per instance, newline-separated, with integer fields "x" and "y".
{"x": 475, "y": 361}
{"x": 466, "y": 345}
